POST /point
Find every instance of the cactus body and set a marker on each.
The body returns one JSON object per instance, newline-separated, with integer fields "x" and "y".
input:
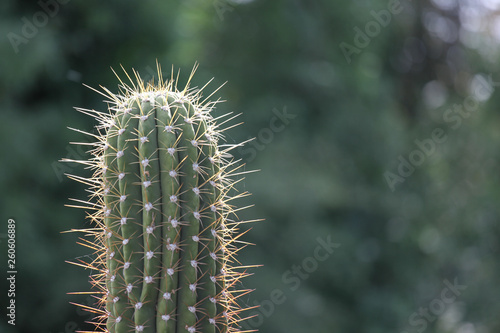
{"x": 164, "y": 238}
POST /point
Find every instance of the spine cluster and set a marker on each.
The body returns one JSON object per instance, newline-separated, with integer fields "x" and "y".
{"x": 165, "y": 234}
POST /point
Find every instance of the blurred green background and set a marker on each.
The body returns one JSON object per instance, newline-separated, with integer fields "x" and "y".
{"x": 376, "y": 128}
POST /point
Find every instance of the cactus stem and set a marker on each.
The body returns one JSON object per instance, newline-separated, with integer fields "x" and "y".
{"x": 166, "y": 232}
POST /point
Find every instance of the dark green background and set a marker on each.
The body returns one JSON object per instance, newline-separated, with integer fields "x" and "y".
{"x": 321, "y": 173}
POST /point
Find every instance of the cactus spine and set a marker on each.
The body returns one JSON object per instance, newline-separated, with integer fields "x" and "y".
{"x": 165, "y": 239}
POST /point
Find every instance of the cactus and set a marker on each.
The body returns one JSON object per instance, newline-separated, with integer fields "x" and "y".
{"x": 165, "y": 232}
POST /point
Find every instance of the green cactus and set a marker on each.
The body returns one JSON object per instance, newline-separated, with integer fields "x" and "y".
{"x": 165, "y": 236}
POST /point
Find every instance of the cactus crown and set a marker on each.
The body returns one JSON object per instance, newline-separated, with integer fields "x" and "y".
{"x": 165, "y": 230}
